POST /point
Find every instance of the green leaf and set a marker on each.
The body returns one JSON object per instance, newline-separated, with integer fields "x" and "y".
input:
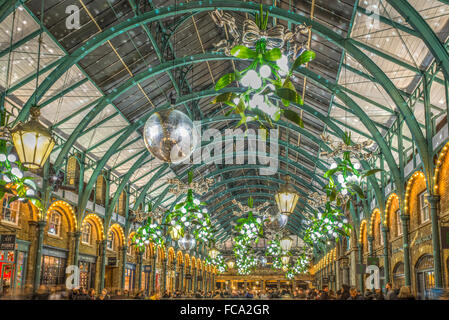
{"x": 290, "y": 95}
{"x": 224, "y": 97}
{"x": 294, "y": 117}
{"x": 273, "y": 54}
{"x": 370, "y": 172}
{"x": 243, "y": 52}
{"x": 225, "y": 81}
{"x": 357, "y": 189}
{"x": 305, "y": 57}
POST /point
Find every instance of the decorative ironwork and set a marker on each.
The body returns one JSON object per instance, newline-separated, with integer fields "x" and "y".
{"x": 256, "y": 210}
{"x": 276, "y": 36}
{"x": 338, "y": 148}
{"x": 200, "y": 186}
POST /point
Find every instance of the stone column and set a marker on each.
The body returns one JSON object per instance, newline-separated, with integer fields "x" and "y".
{"x": 433, "y": 202}
{"x": 139, "y": 276}
{"x": 181, "y": 277}
{"x": 370, "y": 246}
{"x": 153, "y": 273}
{"x": 38, "y": 264}
{"x": 195, "y": 279}
{"x": 122, "y": 282}
{"x": 386, "y": 255}
{"x": 103, "y": 263}
{"x": 360, "y": 261}
{"x": 406, "y": 249}
{"x": 77, "y": 236}
{"x": 164, "y": 275}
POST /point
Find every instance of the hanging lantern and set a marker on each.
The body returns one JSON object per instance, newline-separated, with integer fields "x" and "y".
{"x": 285, "y": 259}
{"x": 175, "y": 232}
{"x": 286, "y": 198}
{"x": 231, "y": 264}
{"x": 33, "y": 141}
{"x": 187, "y": 242}
{"x": 170, "y": 136}
{"x": 286, "y": 243}
{"x": 213, "y": 253}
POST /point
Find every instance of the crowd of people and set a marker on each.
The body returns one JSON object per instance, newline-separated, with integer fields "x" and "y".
{"x": 345, "y": 293}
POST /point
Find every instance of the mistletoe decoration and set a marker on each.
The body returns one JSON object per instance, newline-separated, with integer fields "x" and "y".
{"x": 267, "y": 76}
{"x": 150, "y": 232}
{"x": 189, "y": 215}
{"x": 13, "y": 180}
{"x": 249, "y": 230}
{"x": 331, "y": 223}
{"x": 218, "y": 262}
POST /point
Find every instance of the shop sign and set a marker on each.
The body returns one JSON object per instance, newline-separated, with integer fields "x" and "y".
{"x": 7, "y": 241}
{"x": 423, "y": 239}
{"x": 147, "y": 268}
{"x": 112, "y": 261}
{"x": 325, "y": 280}
{"x": 445, "y": 237}
{"x": 188, "y": 276}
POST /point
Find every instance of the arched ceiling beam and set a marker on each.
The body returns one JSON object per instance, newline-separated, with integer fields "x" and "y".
{"x": 168, "y": 11}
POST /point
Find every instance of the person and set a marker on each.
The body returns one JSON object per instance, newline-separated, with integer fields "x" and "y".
{"x": 324, "y": 295}
{"x": 42, "y": 293}
{"x": 391, "y": 294}
{"x": 166, "y": 295}
{"x": 332, "y": 295}
{"x": 54, "y": 294}
{"x": 249, "y": 295}
{"x": 140, "y": 295}
{"x": 344, "y": 294}
{"x": 117, "y": 295}
{"x": 405, "y": 293}
{"x": 91, "y": 294}
{"x": 354, "y": 295}
{"x": 369, "y": 295}
{"x": 378, "y": 295}
{"x": 301, "y": 295}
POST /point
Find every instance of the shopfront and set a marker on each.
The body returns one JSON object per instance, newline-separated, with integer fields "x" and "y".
{"x": 425, "y": 276}
{"x": 87, "y": 265}
{"x": 54, "y": 262}
{"x": 13, "y": 260}
{"x": 145, "y": 279}
{"x": 130, "y": 273}
{"x": 398, "y": 275}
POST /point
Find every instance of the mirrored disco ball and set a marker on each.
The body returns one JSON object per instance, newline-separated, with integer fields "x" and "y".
{"x": 170, "y": 136}
{"x": 277, "y": 222}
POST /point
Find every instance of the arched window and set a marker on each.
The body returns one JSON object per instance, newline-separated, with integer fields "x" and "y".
{"x": 10, "y": 211}
{"x": 381, "y": 234}
{"x": 129, "y": 249}
{"x": 111, "y": 241}
{"x": 86, "y": 233}
{"x": 54, "y": 226}
{"x": 398, "y": 223}
{"x": 424, "y": 212}
{"x": 73, "y": 171}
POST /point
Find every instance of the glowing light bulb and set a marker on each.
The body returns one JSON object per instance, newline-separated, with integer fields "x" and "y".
{"x": 357, "y": 166}
{"x": 2, "y": 157}
{"x": 30, "y": 192}
{"x": 333, "y": 165}
{"x": 17, "y": 172}
{"x": 12, "y": 157}
{"x": 265, "y": 71}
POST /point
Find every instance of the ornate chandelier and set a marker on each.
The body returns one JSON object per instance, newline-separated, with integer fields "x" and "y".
{"x": 339, "y": 148}
{"x": 276, "y": 36}
{"x": 200, "y": 186}
{"x": 258, "y": 211}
